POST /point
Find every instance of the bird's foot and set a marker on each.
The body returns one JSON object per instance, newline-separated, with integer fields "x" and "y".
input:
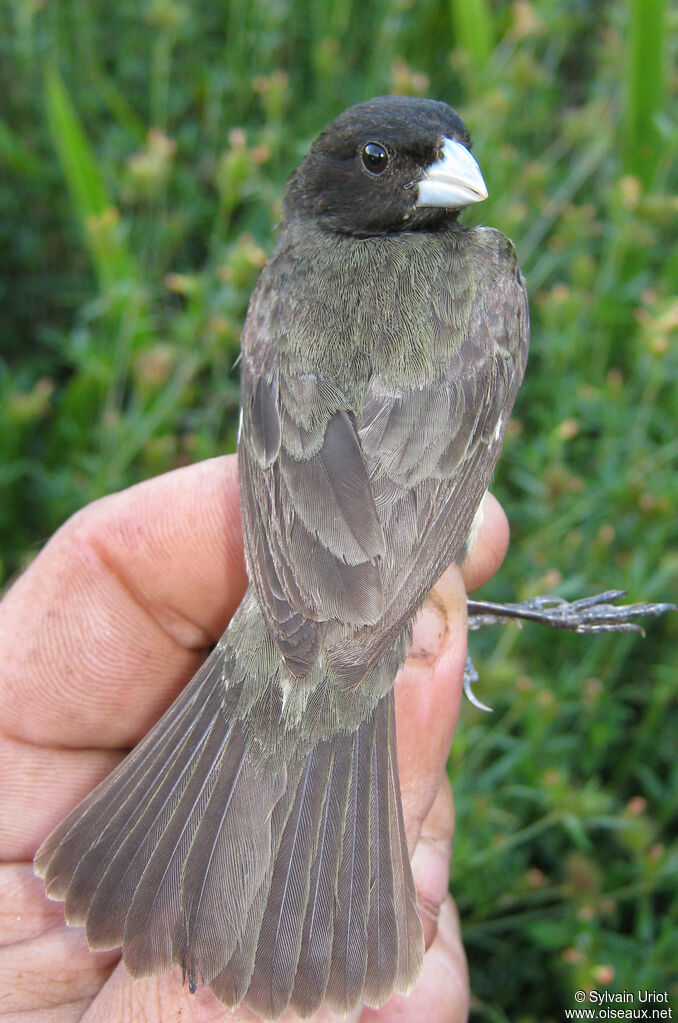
{"x": 599, "y": 613}
{"x": 594, "y": 614}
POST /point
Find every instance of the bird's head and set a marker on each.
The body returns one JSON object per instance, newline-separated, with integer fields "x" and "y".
{"x": 393, "y": 163}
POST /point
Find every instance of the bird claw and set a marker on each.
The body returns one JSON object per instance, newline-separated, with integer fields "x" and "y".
{"x": 470, "y": 679}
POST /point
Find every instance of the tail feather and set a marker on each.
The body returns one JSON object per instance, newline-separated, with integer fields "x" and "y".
{"x": 313, "y": 969}
{"x": 276, "y": 880}
{"x": 382, "y": 925}
{"x": 349, "y": 946}
{"x": 154, "y": 910}
{"x": 410, "y": 931}
{"x": 115, "y": 891}
{"x": 59, "y": 855}
{"x": 227, "y": 861}
{"x": 281, "y": 929}
{"x": 232, "y": 983}
{"x": 108, "y": 874}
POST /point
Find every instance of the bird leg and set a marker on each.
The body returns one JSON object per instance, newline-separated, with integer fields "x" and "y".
{"x": 595, "y": 614}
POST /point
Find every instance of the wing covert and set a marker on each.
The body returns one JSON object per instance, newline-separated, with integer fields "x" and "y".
{"x": 313, "y": 535}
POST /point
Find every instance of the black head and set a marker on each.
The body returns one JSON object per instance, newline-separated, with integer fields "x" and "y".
{"x": 389, "y": 164}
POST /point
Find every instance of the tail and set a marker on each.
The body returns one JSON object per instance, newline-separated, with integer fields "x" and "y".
{"x": 278, "y": 882}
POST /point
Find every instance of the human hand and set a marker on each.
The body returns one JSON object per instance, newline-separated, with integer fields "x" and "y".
{"x": 96, "y": 639}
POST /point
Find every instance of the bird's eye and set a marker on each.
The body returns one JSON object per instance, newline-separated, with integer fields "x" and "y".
{"x": 375, "y": 158}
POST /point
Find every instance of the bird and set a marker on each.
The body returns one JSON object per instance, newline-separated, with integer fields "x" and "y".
{"x": 255, "y": 836}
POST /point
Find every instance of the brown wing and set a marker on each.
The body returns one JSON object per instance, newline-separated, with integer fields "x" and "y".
{"x": 312, "y": 531}
{"x": 351, "y": 515}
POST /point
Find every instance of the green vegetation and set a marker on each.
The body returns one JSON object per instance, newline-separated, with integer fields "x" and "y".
{"x": 646, "y": 87}
{"x": 143, "y": 149}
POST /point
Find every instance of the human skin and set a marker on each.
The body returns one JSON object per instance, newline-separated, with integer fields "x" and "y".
{"x": 97, "y": 637}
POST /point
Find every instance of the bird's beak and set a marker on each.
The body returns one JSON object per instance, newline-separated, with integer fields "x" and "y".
{"x": 453, "y": 181}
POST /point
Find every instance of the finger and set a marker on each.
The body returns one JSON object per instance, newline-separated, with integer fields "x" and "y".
{"x": 428, "y": 690}
{"x": 157, "y": 999}
{"x": 431, "y": 860}
{"x": 39, "y": 787}
{"x": 441, "y": 994}
{"x": 489, "y": 546}
{"x": 24, "y": 911}
{"x": 46, "y": 964}
{"x": 428, "y": 695}
{"x": 118, "y": 610}
{"x": 55, "y": 968}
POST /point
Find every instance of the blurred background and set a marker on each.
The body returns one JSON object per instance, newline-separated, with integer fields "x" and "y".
{"x": 143, "y": 150}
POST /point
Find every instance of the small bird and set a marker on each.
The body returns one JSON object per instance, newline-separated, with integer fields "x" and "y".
{"x": 255, "y": 836}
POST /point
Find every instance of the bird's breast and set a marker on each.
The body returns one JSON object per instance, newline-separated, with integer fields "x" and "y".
{"x": 352, "y": 309}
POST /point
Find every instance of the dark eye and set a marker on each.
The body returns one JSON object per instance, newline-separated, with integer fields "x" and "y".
{"x": 375, "y": 158}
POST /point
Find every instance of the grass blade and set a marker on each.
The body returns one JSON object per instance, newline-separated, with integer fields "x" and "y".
{"x": 473, "y": 28}
{"x": 645, "y": 87}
